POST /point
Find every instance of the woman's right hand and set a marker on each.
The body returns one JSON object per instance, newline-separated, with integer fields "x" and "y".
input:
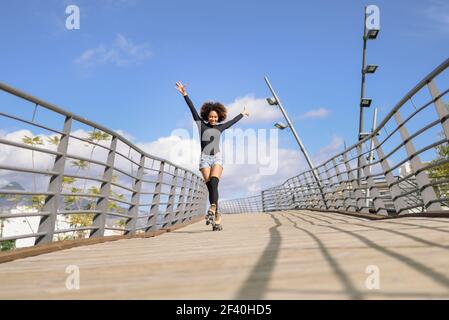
{"x": 181, "y": 88}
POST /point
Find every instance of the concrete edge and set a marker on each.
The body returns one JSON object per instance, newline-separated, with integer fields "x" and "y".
{"x": 67, "y": 244}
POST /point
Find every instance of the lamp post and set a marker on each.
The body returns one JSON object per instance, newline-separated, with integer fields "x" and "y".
{"x": 371, "y": 154}
{"x": 370, "y": 34}
{"x": 276, "y": 102}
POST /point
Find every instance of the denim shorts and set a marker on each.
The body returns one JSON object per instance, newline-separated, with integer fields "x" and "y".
{"x": 207, "y": 161}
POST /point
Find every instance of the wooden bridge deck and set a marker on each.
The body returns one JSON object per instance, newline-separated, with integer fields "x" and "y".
{"x": 285, "y": 255}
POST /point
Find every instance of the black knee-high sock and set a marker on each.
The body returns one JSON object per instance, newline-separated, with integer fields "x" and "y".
{"x": 214, "y": 190}
{"x": 209, "y": 188}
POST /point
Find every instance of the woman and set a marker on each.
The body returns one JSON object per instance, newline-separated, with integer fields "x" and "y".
{"x": 211, "y": 163}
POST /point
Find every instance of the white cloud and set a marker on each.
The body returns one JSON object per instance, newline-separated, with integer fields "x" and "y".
{"x": 259, "y": 109}
{"x": 334, "y": 147}
{"x": 316, "y": 114}
{"x": 122, "y": 52}
{"x": 238, "y": 179}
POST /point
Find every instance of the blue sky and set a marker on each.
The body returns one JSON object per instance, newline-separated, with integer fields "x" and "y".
{"x": 120, "y": 68}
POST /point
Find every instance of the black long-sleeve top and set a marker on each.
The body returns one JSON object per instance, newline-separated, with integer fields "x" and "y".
{"x": 209, "y": 134}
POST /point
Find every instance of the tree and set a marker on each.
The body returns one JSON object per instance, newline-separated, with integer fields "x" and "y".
{"x": 79, "y": 164}
{"x": 7, "y": 245}
{"x": 441, "y": 171}
{"x": 33, "y": 141}
{"x": 94, "y": 137}
{"x": 53, "y": 140}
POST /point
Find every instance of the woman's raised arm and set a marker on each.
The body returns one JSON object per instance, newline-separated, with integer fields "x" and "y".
{"x": 228, "y": 124}
{"x": 181, "y": 88}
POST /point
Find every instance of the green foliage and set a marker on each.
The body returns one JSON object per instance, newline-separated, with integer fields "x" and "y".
{"x": 80, "y": 164}
{"x": 441, "y": 171}
{"x": 7, "y": 245}
{"x": 36, "y": 202}
{"x": 32, "y": 141}
{"x": 68, "y": 181}
{"x": 53, "y": 140}
{"x": 72, "y": 202}
{"x": 97, "y": 136}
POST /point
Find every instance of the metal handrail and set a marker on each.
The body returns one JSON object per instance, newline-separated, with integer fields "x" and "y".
{"x": 187, "y": 196}
{"x": 338, "y": 175}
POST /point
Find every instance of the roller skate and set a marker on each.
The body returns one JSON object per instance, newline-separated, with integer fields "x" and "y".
{"x": 210, "y": 216}
{"x": 216, "y": 224}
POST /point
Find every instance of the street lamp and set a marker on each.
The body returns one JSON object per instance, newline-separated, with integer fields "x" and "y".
{"x": 280, "y": 125}
{"x": 274, "y": 101}
{"x": 370, "y": 34}
{"x": 365, "y": 103}
{"x": 371, "y": 68}
{"x": 371, "y": 153}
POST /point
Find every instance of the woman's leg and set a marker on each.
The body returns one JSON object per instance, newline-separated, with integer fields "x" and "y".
{"x": 216, "y": 171}
{"x": 206, "y": 176}
{"x": 215, "y": 176}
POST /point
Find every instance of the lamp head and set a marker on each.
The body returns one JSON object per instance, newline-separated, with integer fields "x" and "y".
{"x": 365, "y": 103}
{"x": 280, "y": 125}
{"x": 372, "y": 34}
{"x": 371, "y": 68}
{"x": 272, "y": 101}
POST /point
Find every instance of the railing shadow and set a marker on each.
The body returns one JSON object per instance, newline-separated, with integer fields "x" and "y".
{"x": 256, "y": 284}
{"x": 436, "y": 276}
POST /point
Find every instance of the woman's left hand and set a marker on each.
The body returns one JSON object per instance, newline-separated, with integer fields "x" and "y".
{"x": 244, "y": 112}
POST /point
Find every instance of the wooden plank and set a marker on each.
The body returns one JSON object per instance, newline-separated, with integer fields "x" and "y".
{"x": 67, "y": 244}
{"x": 285, "y": 255}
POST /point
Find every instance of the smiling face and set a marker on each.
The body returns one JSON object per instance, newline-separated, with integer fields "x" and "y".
{"x": 213, "y": 112}
{"x": 213, "y": 118}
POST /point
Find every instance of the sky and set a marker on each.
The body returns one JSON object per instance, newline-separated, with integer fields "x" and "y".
{"x": 120, "y": 68}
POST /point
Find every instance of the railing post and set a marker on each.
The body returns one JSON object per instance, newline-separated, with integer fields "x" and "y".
{"x": 189, "y": 203}
{"x": 315, "y": 196}
{"x": 427, "y": 192}
{"x": 133, "y": 210}
{"x": 181, "y": 207}
{"x": 304, "y": 195}
{"x": 323, "y": 189}
{"x": 354, "y": 185}
{"x": 442, "y": 110}
{"x": 289, "y": 193}
{"x": 379, "y": 205}
{"x": 309, "y": 191}
{"x": 171, "y": 197}
{"x": 340, "y": 201}
{"x": 47, "y": 223}
{"x": 296, "y": 194}
{"x": 195, "y": 198}
{"x": 331, "y": 186}
{"x": 306, "y": 191}
{"x": 154, "y": 210}
{"x": 262, "y": 195}
{"x": 204, "y": 198}
{"x": 361, "y": 203}
{"x": 395, "y": 192}
{"x": 99, "y": 221}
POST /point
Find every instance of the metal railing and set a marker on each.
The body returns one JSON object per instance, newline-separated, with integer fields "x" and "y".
{"x": 244, "y": 205}
{"x": 93, "y": 182}
{"x": 412, "y": 139}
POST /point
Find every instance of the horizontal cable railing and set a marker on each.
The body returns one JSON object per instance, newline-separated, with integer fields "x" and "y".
{"x": 401, "y": 167}
{"x": 244, "y": 205}
{"x": 65, "y": 177}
